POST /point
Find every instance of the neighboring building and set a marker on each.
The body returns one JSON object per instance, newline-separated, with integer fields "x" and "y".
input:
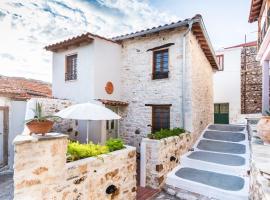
{"x": 14, "y": 91}
{"x": 237, "y": 87}
{"x": 260, "y": 12}
{"x": 155, "y": 78}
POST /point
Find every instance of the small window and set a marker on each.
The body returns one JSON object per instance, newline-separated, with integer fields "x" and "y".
{"x": 71, "y": 67}
{"x": 160, "y": 64}
{"x": 160, "y": 118}
{"x": 220, "y": 59}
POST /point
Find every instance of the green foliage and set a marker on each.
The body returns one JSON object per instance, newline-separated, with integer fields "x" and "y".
{"x": 78, "y": 151}
{"x": 39, "y": 114}
{"x": 114, "y": 144}
{"x": 164, "y": 133}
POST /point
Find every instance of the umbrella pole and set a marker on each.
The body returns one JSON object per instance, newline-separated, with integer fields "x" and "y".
{"x": 87, "y": 131}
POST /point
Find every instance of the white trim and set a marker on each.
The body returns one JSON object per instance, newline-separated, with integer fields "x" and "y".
{"x": 143, "y": 164}
{"x": 264, "y": 46}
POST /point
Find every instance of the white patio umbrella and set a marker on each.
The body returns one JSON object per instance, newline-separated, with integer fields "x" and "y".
{"x": 87, "y": 111}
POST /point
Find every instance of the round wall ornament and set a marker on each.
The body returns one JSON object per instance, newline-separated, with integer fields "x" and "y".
{"x": 109, "y": 87}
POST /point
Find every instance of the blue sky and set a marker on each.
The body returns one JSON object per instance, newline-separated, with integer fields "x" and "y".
{"x": 27, "y": 26}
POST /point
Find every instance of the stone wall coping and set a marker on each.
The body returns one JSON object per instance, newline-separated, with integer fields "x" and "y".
{"x": 261, "y": 157}
{"x": 20, "y": 139}
{"x": 100, "y": 157}
{"x": 148, "y": 140}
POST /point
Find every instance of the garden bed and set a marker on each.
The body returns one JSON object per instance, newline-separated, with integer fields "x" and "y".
{"x": 41, "y": 171}
{"x": 160, "y": 156}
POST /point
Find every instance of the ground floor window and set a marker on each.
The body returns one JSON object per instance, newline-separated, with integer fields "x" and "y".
{"x": 221, "y": 113}
{"x": 160, "y": 117}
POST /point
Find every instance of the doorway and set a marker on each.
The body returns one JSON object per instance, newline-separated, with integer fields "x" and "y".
{"x": 112, "y": 125}
{"x": 221, "y": 113}
{"x": 3, "y": 136}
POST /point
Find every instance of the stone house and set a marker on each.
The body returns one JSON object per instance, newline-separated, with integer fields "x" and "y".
{"x": 240, "y": 96}
{"x": 14, "y": 91}
{"x": 154, "y": 78}
{"x": 260, "y": 13}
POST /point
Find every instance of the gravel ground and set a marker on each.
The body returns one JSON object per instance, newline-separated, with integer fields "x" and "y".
{"x": 6, "y": 186}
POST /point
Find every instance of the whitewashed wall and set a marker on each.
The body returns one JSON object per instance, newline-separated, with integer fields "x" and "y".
{"x": 82, "y": 89}
{"x": 227, "y": 83}
{"x": 16, "y": 123}
{"x": 98, "y": 63}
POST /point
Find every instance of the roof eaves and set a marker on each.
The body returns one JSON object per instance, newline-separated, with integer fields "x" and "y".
{"x": 152, "y": 30}
{"x": 204, "y": 31}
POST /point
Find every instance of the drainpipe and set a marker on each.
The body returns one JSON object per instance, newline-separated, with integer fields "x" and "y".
{"x": 184, "y": 71}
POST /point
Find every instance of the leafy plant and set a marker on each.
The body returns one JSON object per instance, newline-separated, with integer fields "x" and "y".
{"x": 38, "y": 111}
{"x": 164, "y": 133}
{"x": 78, "y": 151}
{"x": 114, "y": 144}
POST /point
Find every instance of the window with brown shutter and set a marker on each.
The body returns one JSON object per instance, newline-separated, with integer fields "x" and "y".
{"x": 160, "y": 117}
{"x": 71, "y": 67}
{"x": 160, "y": 64}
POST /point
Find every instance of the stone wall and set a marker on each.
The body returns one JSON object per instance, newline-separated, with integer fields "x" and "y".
{"x": 161, "y": 156}
{"x": 139, "y": 88}
{"x": 41, "y": 171}
{"x": 200, "y": 79}
{"x": 260, "y": 170}
{"x": 251, "y": 81}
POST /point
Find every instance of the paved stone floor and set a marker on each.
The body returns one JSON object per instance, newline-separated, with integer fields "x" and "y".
{"x": 6, "y": 186}
{"x": 164, "y": 196}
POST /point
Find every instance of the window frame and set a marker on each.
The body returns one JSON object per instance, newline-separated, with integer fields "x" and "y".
{"x": 163, "y": 74}
{"x": 220, "y": 59}
{"x": 75, "y": 71}
{"x": 168, "y": 107}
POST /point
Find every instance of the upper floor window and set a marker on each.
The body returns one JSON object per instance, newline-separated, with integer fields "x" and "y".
{"x": 71, "y": 67}
{"x": 220, "y": 60}
{"x": 160, "y": 64}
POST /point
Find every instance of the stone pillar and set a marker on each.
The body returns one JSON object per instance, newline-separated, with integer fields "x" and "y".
{"x": 38, "y": 162}
{"x": 265, "y": 86}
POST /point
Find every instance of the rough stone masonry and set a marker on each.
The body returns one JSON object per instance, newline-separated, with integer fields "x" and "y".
{"x": 251, "y": 81}
{"x": 41, "y": 172}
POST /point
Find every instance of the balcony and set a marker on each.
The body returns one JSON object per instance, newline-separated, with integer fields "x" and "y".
{"x": 264, "y": 29}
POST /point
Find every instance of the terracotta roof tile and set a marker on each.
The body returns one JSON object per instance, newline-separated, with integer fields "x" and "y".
{"x": 113, "y": 102}
{"x": 22, "y": 88}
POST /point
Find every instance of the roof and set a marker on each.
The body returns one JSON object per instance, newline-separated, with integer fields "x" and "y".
{"x": 85, "y": 38}
{"x": 113, "y": 102}
{"x": 198, "y": 29}
{"x": 21, "y": 88}
{"x": 248, "y": 44}
{"x": 255, "y": 9}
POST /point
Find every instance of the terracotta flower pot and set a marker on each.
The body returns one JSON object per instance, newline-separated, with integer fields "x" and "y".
{"x": 40, "y": 127}
{"x": 263, "y": 129}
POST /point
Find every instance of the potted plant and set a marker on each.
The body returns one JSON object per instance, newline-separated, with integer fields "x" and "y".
{"x": 40, "y": 124}
{"x": 263, "y": 128}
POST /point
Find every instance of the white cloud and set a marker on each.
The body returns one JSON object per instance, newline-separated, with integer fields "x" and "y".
{"x": 27, "y": 26}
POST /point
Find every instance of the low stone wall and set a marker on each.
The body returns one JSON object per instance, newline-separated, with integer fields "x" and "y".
{"x": 260, "y": 172}
{"x": 41, "y": 171}
{"x": 159, "y": 157}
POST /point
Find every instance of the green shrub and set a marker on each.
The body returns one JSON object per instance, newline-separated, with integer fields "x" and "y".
{"x": 164, "y": 133}
{"x": 114, "y": 144}
{"x": 78, "y": 151}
